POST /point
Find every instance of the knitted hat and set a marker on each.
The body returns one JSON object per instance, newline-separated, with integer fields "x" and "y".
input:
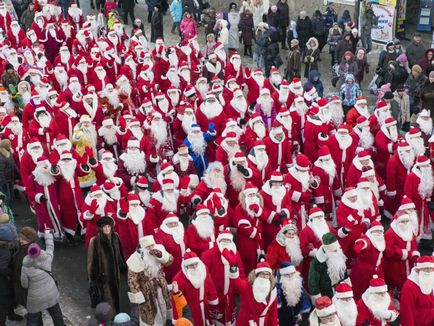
{"x": 377, "y": 285}
{"x": 425, "y": 262}
{"x": 183, "y": 322}
{"x": 330, "y": 242}
{"x": 34, "y": 250}
{"x": 263, "y": 266}
{"x": 105, "y": 220}
{"x": 344, "y": 290}
{"x": 287, "y": 268}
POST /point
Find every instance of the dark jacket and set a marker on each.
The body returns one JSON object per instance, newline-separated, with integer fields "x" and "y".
{"x": 27, "y": 18}
{"x": 415, "y": 52}
{"x": 6, "y": 272}
{"x": 105, "y": 316}
{"x": 246, "y": 28}
{"x": 342, "y": 47}
{"x": 19, "y": 292}
{"x": 396, "y": 76}
{"x": 346, "y": 68}
{"x": 367, "y": 21}
{"x": 293, "y": 65}
{"x": 304, "y": 30}
{"x": 156, "y": 25}
{"x": 427, "y": 96}
{"x": 8, "y": 170}
{"x": 330, "y": 17}
{"x": 283, "y": 10}
{"x": 273, "y": 18}
{"x": 311, "y": 57}
{"x": 272, "y": 52}
{"x": 414, "y": 85}
{"x": 427, "y": 65}
{"x": 315, "y": 83}
{"x": 334, "y": 37}
{"x": 384, "y": 59}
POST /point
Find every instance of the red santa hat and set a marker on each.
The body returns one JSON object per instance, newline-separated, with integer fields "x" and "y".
{"x": 284, "y": 84}
{"x": 171, "y": 218}
{"x": 95, "y": 190}
{"x": 314, "y": 110}
{"x": 344, "y": 291}
{"x": 249, "y": 188}
{"x": 189, "y": 91}
{"x": 324, "y": 152}
{"x": 133, "y": 198}
{"x": 73, "y": 79}
{"x": 424, "y": 113}
{"x": 85, "y": 118}
{"x": 422, "y": 160}
{"x": 259, "y": 144}
{"x": 60, "y": 139}
{"x": 296, "y": 82}
{"x": 134, "y": 122}
{"x": 401, "y": 216}
{"x": 238, "y": 92}
{"x": 315, "y": 211}
{"x": 255, "y": 118}
{"x": 66, "y": 155}
{"x": 202, "y": 209}
{"x": 106, "y": 155}
{"x": 425, "y": 262}
{"x": 218, "y": 45}
{"x": 146, "y": 241}
{"x": 212, "y": 56}
{"x": 225, "y": 235}
{"x": 41, "y": 159}
{"x": 343, "y": 127}
{"x": 376, "y": 226}
{"x": 406, "y": 203}
{"x": 230, "y": 78}
{"x": 403, "y": 145}
{"x": 264, "y": 91}
{"x": 389, "y": 122}
{"x": 90, "y": 89}
{"x": 283, "y": 109}
{"x": 350, "y": 192}
{"x": 109, "y": 186}
{"x": 231, "y": 136}
{"x": 276, "y": 176}
{"x": 258, "y": 71}
{"x": 159, "y": 96}
{"x": 263, "y": 266}
{"x": 413, "y": 133}
{"x": 324, "y": 307}
{"x": 362, "y": 121}
{"x": 363, "y": 183}
{"x": 302, "y": 162}
{"x": 381, "y": 105}
{"x": 190, "y": 258}
{"x": 323, "y": 103}
{"x": 142, "y": 182}
{"x": 364, "y": 155}
{"x": 377, "y": 285}
{"x": 274, "y": 70}
{"x": 44, "y": 81}
{"x": 107, "y": 122}
{"x": 210, "y": 95}
{"x": 361, "y": 100}
{"x": 166, "y": 167}
{"x": 168, "y": 184}
{"x": 239, "y": 157}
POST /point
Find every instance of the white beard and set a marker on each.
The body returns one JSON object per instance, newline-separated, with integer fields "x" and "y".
{"x": 183, "y": 163}
{"x": 198, "y": 143}
{"x": 292, "y": 289}
{"x": 204, "y": 225}
{"x": 115, "y": 194}
{"x": 261, "y": 160}
{"x": 404, "y": 232}
{"x": 344, "y": 141}
{"x": 418, "y": 146}
{"x": 276, "y": 79}
{"x": 425, "y": 126}
{"x": 64, "y": 57}
{"x": 62, "y": 79}
{"x": 347, "y": 312}
{"x": 187, "y": 121}
{"x": 336, "y": 265}
{"x": 240, "y": 105}
{"x": 237, "y": 179}
{"x": 35, "y": 79}
{"x": 89, "y": 135}
{"x": 174, "y": 99}
{"x": 260, "y": 130}
{"x": 43, "y": 177}
{"x": 319, "y": 227}
{"x": 259, "y": 80}
{"x": 35, "y": 154}
{"x": 325, "y": 115}
{"x": 426, "y": 282}
{"x": 144, "y": 196}
{"x": 231, "y": 150}
{"x": 82, "y": 69}
{"x": 303, "y": 177}
{"x": 214, "y": 180}
{"x": 152, "y": 266}
{"x": 364, "y": 198}
{"x": 197, "y": 277}
{"x": 211, "y": 110}
{"x": 221, "y": 54}
{"x": 393, "y": 133}
{"x": 366, "y": 138}
{"x": 44, "y": 121}
{"x": 16, "y": 128}
{"x": 68, "y": 169}
{"x": 185, "y": 74}
{"x": 109, "y": 168}
{"x": 250, "y": 201}
{"x": 101, "y": 74}
{"x": 174, "y": 78}
{"x": 377, "y": 241}
{"x": 137, "y": 132}
{"x": 377, "y": 306}
{"x": 170, "y": 201}
{"x": 337, "y": 113}
{"x": 292, "y": 248}
{"x": 74, "y": 87}
{"x": 203, "y": 89}
{"x": 173, "y": 59}
{"x": 236, "y": 64}
{"x": 177, "y": 233}
{"x": 277, "y": 194}
{"x": 287, "y": 124}
{"x": 406, "y": 159}
{"x": 159, "y": 132}
{"x": 134, "y": 162}
{"x": 163, "y": 105}
{"x": 330, "y": 169}
{"x": 261, "y": 289}
{"x": 382, "y": 116}
{"x": 266, "y": 106}
{"x": 414, "y": 221}
{"x": 426, "y": 183}
{"x": 26, "y": 97}
{"x": 137, "y": 214}
{"x": 113, "y": 98}
{"x": 109, "y": 135}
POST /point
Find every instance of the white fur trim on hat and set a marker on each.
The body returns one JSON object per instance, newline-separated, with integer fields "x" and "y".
{"x": 263, "y": 269}
{"x": 287, "y": 270}
{"x": 225, "y": 236}
{"x": 146, "y": 241}
{"x": 342, "y": 295}
{"x": 330, "y": 310}
{"x": 425, "y": 265}
{"x": 133, "y": 143}
{"x": 331, "y": 247}
{"x": 190, "y": 261}
{"x": 378, "y": 289}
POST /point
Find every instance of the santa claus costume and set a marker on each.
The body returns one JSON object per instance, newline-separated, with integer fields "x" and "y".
{"x": 213, "y": 178}
{"x": 236, "y": 108}
{"x": 376, "y": 306}
{"x": 195, "y": 283}
{"x": 219, "y": 260}
{"x": 255, "y": 130}
{"x": 415, "y": 140}
{"x": 266, "y": 108}
{"x": 132, "y": 163}
{"x": 417, "y": 297}
{"x": 255, "y": 83}
{"x": 325, "y": 311}
{"x": 228, "y": 147}
{"x": 238, "y": 174}
{"x": 315, "y": 133}
{"x": 259, "y": 163}
{"x": 345, "y": 304}
{"x": 378, "y": 119}
{"x": 385, "y": 142}
{"x": 218, "y": 206}
{"x": 359, "y": 109}
{"x": 278, "y": 148}
{"x": 363, "y": 136}
{"x": 369, "y": 262}
{"x": 200, "y": 233}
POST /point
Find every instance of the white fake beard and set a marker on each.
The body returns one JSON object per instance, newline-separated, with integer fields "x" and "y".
{"x": 326, "y": 115}
{"x": 336, "y": 265}
{"x": 393, "y": 132}
{"x": 237, "y": 179}
{"x": 425, "y": 126}
{"x": 74, "y": 87}
{"x": 250, "y": 201}
{"x": 407, "y": 159}
{"x": 276, "y": 79}
{"x": 229, "y": 246}
{"x": 15, "y": 29}
{"x": 366, "y": 138}
{"x": 101, "y": 205}
{"x": 240, "y": 105}
{"x": 364, "y": 197}
{"x": 26, "y": 97}
{"x": 159, "y": 131}
{"x": 214, "y": 180}
{"x": 137, "y": 214}
{"x": 204, "y": 226}
{"x": 185, "y": 74}
{"x": 134, "y": 162}
{"x": 65, "y": 56}
{"x": 174, "y": 78}
{"x": 187, "y": 121}
{"x": 301, "y": 108}
{"x": 109, "y": 135}
{"x": 82, "y": 68}
{"x": 335, "y": 322}
{"x": 173, "y": 59}
{"x": 197, "y": 277}
{"x": 144, "y": 196}
{"x": 377, "y": 306}
{"x": 137, "y": 132}
{"x": 237, "y": 64}
{"x": 319, "y": 227}
{"x": 101, "y": 74}
{"x": 231, "y": 150}
{"x": 67, "y": 169}
{"x": 266, "y": 106}
{"x": 174, "y": 99}
{"x": 62, "y": 78}
{"x": 426, "y": 182}
{"x": 260, "y": 130}
{"x": 363, "y": 111}
{"x": 211, "y": 110}
{"x": 163, "y": 105}
{"x": 418, "y": 146}
{"x": 287, "y": 123}
{"x": 414, "y": 221}
{"x": 183, "y": 163}
{"x": 152, "y": 266}
{"x": 426, "y": 282}
{"x": 261, "y": 160}
{"x": 382, "y": 116}
{"x": 292, "y": 289}
{"x": 347, "y": 312}
{"x": 16, "y": 128}
{"x": 170, "y": 201}
{"x": 177, "y": 233}
{"x": 203, "y": 89}
{"x": 337, "y": 113}
{"x": 113, "y": 98}
{"x": 43, "y": 177}
{"x": 277, "y": 194}
{"x": 344, "y": 141}
{"x": 221, "y": 54}
{"x": 115, "y": 194}
{"x": 44, "y": 121}
{"x": 43, "y": 92}
{"x": 405, "y": 232}
{"x": 89, "y": 134}
{"x": 35, "y": 154}
{"x": 261, "y": 289}
{"x": 292, "y": 248}
{"x": 377, "y": 241}
{"x": 329, "y": 168}
{"x": 198, "y": 143}
{"x": 303, "y": 178}
{"x": 109, "y": 168}
{"x": 259, "y": 80}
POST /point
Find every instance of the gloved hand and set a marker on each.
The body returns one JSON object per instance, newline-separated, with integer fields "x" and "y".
{"x": 243, "y": 121}
{"x": 124, "y": 206}
{"x": 221, "y": 210}
{"x": 211, "y": 127}
{"x": 230, "y": 256}
{"x": 254, "y": 208}
{"x": 122, "y": 124}
{"x": 90, "y": 153}
{"x": 155, "y": 252}
{"x": 84, "y": 159}
{"x": 197, "y": 201}
{"x": 243, "y": 170}
{"x": 47, "y": 129}
{"x": 43, "y": 199}
{"x": 93, "y": 207}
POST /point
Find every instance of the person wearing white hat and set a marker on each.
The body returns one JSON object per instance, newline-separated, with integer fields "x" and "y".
{"x": 265, "y": 105}
{"x": 132, "y": 163}
{"x": 345, "y": 304}
{"x": 424, "y": 123}
{"x": 147, "y": 285}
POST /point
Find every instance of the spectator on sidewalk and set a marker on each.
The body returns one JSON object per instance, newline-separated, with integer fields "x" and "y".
{"x": 415, "y": 50}
{"x": 176, "y": 13}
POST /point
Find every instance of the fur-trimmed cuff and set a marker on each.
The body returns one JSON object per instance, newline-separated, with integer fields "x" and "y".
{"x": 319, "y": 200}
{"x": 404, "y": 254}
{"x": 153, "y": 159}
{"x": 41, "y": 131}
{"x": 390, "y": 148}
{"x": 164, "y": 258}
{"x": 312, "y": 253}
{"x": 296, "y": 195}
{"x": 253, "y": 234}
{"x": 137, "y": 297}
{"x": 214, "y": 302}
{"x": 415, "y": 253}
{"x": 38, "y": 198}
{"x": 343, "y": 232}
{"x": 271, "y": 217}
{"x": 234, "y": 275}
{"x": 250, "y": 173}
{"x": 382, "y": 187}
{"x": 87, "y": 216}
{"x": 391, "y": 193}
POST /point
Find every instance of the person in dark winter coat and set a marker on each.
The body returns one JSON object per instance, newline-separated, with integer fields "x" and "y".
{"x": 262, "y": 40}
{"x": 348, "y": 66}
{"x": 427, "y": 62}
{"x": 272, "y": 52}
{"x": 36, "y": 277}
{"x": 151, "y": 4}
{"x": 354, "y": 39}
{"x": 128, "y": 6}
{"x": 20, "y": 6}
{"x": 413, "y": 85}
{"x": 427, "y": 94}
{"x": 343, "y": 46}
{"x": 283, "y": 10}
{"x": 367, "y": 21}
{"x": 246, "y": 28}
{"x": 28, "y": 16}
{"x": 104, "y": 315}
{"x": 400, "y": 74}
{"x": 209, "y": 20}
{"x": 156, "y": 23}
{"x": 334, "y": 36}
{"x": 304, "y": 30}
{"x": 315, "y": 81}
{"x": 362, "y": 65}
{"x": 318, "y": 29}
{"x": 415, "y": 50}
{"x": 345, "y": 19}
{"x": 311, "y": 56}
{"x": 331, "y": 17}
{"x": 8, "y": 171}
{"x": 273, "y": 17}
{"x": 387, "y": 55}
{"x": 293, "y": 64}
{"x": 105, "y": 263}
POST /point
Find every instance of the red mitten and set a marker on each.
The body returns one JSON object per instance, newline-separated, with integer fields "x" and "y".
{"x": 89, "y": 152}
{"x": 122, "y": 123}
{"x": 217, "y": 201}
{"x": 125, "y": 207}
{"x": 84, "y": 159}
{"x": 254, "y": 208}
{"x": 93, "y": 207}
{"x": 247, "y": 72}
{"x": 53, "y": 158}
{"x": 230, "y": 256}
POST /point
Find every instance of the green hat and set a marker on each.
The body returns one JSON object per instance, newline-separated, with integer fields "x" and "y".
{"x": 330, "y": 242}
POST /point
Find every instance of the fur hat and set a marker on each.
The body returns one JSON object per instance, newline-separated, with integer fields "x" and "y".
{"x": 105, "y": 220}
{"x": 330, "y": 242}
{"x": 28, "y": 234}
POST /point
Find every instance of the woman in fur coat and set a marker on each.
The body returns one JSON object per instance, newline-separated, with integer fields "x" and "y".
{"x": 311, "y": 56}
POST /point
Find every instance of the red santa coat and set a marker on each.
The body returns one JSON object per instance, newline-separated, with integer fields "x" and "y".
{"x": 253, "y": 90}
{"x": 203, "y": 190}
{"x": 416, "y": 308}
{"x": 328, "y": 190}
{"x": 238, "y": 74}
{"x": 365, "y": 314}
{"x": 66, "y": 123}
{"x": 369, "y": 262}
{"x": 355, "y": 172}
{"x": 259, "y": 176}
{"x": 5, "y": 20}
{"x": 89, "y": 220}
{"x": 396, "y": 174}
{"x": 218, "y": 268}
{"x": 298, "y": 122}
{"x": 46, "y": 137}
{"x": 250, "y": 137}
{"x": 276, "y": 255}
{"x": 231, "y": 193}
{"x": 385, "y": 149}
{"x": 203, "y": 121}
{"x": 17, "y": 41}
{"x": 200, "y": 300}
{"x": 279, "y": 153}
{"x": 342, "y": 157}
{"x": 253, "y": 312}
{"x": 196, "y": 243}
{"x": 18, "y": 143}
{"x": 315, "y": 134}
{"x": 130, "y": 232}
{"x": 177, "y": 250}
{"x": 399, "y": 258}
{"x": 156, "y": 213}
